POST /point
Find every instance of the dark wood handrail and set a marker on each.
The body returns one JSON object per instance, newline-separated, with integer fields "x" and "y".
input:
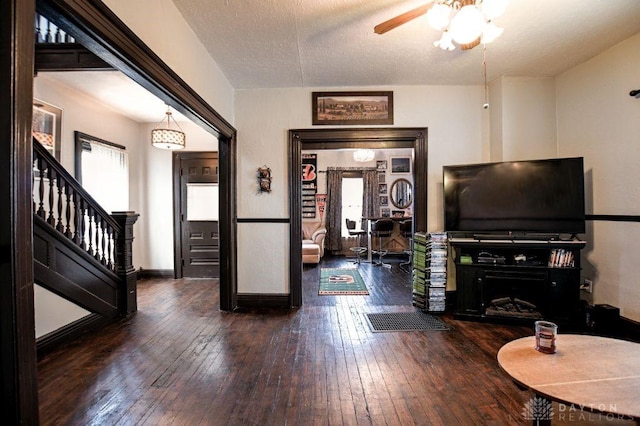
{"x": 64, "y": 204}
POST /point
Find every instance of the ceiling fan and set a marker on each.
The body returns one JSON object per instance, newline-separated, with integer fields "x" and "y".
{"x": 467, "y": 22}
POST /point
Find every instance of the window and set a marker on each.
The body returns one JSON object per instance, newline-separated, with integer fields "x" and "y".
{"x": 104, "y": 172}
{"x": 352, "y": 189}
{"x": 202, "y": 201}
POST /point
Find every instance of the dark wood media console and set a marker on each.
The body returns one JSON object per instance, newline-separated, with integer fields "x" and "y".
{"x": 517, "y": 280}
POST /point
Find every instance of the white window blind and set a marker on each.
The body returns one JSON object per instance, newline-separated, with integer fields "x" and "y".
{"x": 105, "y": 175}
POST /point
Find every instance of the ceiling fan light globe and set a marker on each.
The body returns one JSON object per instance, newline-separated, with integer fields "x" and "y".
{"x": 467, "y": 25}
{"x": 439, "y": 16}
{"x": 493, "y": 8}
{"x": 445, "y": 42}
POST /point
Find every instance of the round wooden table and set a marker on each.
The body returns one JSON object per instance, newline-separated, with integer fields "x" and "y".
{"x": 592, "y": 373}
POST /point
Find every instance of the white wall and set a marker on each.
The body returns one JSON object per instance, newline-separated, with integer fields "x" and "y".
{"x": 598, "y": 119}
{"x": 154, "y": 231}
{"x": 457, "y": 134}
{"x": 495, "y": 113}
{"x": 84, "y": 114}
{"x": 595, "y": 119}
{"x": 150, "y": 169}
{"x": 53, "y": 312}
{"x": 161, "y": 27}
{"x": 528, "y": 118}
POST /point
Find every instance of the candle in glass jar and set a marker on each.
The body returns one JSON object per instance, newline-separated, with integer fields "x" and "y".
{"x": 546, "y": 333}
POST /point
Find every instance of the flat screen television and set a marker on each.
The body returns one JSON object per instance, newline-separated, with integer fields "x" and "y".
{"x": 536, "y": 197}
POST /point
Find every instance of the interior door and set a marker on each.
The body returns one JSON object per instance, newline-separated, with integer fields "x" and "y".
{"x": 197, "y": 253}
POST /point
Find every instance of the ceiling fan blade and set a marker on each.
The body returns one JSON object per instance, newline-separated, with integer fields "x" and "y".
{"x": 402, "y": 19}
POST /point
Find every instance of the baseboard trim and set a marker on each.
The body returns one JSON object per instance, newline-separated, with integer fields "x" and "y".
{"x": 155, "y": 273}
{"x": 630, "y": 329}
{"x": 69, "y": 332}
{"x": 258, "y": 300}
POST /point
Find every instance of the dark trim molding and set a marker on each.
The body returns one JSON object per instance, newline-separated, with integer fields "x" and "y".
{"x": 613, "y": 217}
{"x": 100, "y": 30}
{"x": 69, "y": 332}
{"x": 67, "y": 57}
{"x": 278, "y": 301}
{"x": 630, "y": 329}
{"x": 96, "y": 27}
{"x": 155, "y": 273}
{"x": 18, "y": 373}
{"x": 375, "y": 138}
{"x": 263, "y": 220}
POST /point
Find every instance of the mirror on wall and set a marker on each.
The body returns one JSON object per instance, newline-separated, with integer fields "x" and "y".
{"x": 401, "y": 193}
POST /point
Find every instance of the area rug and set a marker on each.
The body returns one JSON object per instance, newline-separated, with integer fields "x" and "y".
{"x": 405, "y": 321}
{"x": 335, "y": 281}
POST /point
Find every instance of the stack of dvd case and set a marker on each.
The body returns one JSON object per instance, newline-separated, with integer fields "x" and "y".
{"x": 418, "y": 296}
{"x": 436, "y": 271}
{"x": 429, "y": 271}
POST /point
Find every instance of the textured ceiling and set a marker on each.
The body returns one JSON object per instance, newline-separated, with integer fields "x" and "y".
{"x": 313, "y": 43}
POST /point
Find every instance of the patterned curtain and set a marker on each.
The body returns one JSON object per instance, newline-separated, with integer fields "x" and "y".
{"x": 370, "y": 198}
{"x": 333, "y": 211}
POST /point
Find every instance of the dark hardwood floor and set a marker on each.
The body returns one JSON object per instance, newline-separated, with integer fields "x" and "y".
{"x": 181, "y": 361}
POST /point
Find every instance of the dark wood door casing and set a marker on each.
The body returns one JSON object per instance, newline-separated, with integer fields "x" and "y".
{"x": 102, "y": 32}
{"x": 375, "y": 138}
{"x": 18, "y": 374}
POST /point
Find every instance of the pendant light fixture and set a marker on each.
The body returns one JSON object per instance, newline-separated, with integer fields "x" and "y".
{"x": 165, "y": 137}
{"x": 363, "y": 155}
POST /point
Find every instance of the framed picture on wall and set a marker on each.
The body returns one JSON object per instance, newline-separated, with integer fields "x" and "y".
{"x": 400, "y": 164}
{"x": 384, "y": 200}
{"x": 352, "y": 108}
{"x": 385, "y": 212}
{"x": 47, "y": 126}
{"x": 382, "y": 188}
{"x": 381, "y": 164}
{"x": 381, "y": 177}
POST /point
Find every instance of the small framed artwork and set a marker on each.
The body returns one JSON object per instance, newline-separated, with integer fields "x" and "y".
{"x": 264, "y": 179}
{"x": 352, "y": 108}
{"x": 381, "y": 177}
{"x": 382, "y": 188}
{"x": 47, "y": 126}
{"x": 385, "y": 212}
{"x": 381, "y": 164}
{"x": 400, "y": 164}
{"x": 384, "y": 200}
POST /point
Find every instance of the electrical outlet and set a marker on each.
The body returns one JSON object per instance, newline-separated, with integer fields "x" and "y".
{"x": 587, "y": 285}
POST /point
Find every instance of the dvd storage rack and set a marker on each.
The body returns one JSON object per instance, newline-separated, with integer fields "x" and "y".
{"x": 518, "y": 281}
{"x": 429, "y": 271}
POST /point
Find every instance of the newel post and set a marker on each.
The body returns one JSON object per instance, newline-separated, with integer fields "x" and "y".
{"x": 127, "y": 294}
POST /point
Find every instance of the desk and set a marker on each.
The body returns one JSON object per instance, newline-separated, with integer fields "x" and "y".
{"x": 370, "y": 219}
{"x": 598, "y": 374}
